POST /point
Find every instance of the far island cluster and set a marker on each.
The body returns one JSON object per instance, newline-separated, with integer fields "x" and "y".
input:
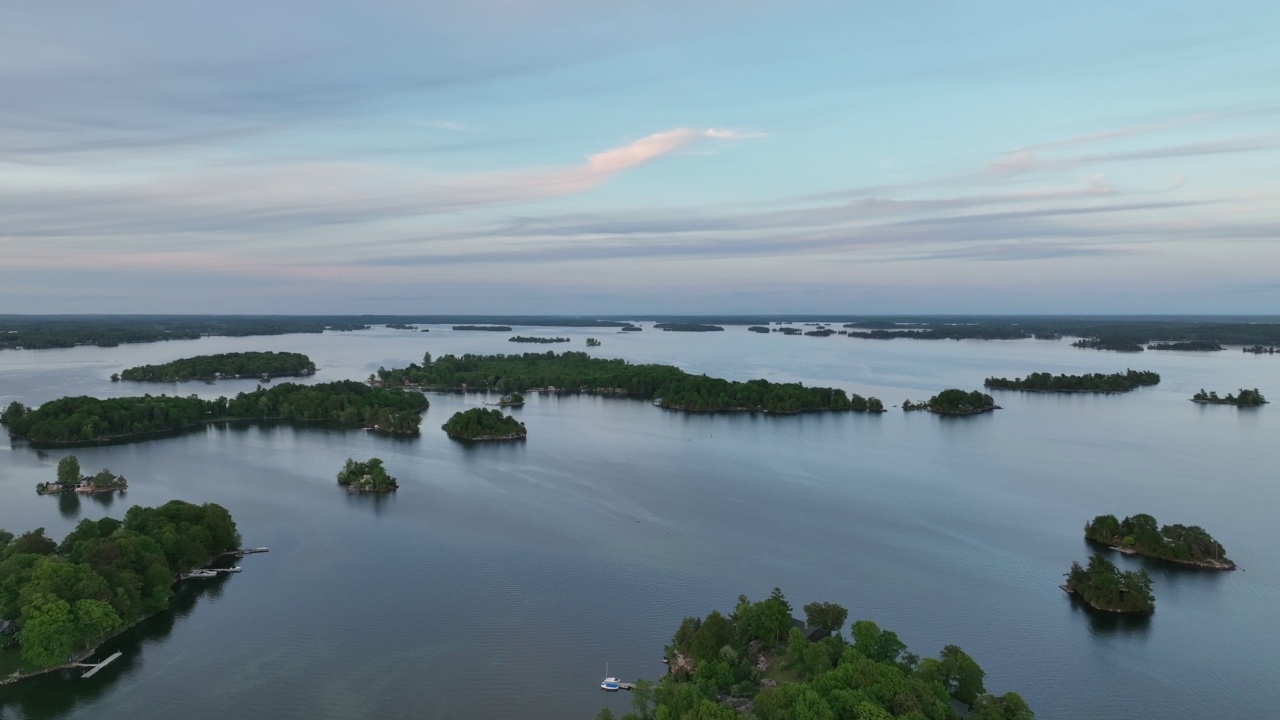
{"x": 1246, "y": 398}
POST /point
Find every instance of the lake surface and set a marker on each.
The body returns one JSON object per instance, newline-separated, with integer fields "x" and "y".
{"x": 500, "y": 579}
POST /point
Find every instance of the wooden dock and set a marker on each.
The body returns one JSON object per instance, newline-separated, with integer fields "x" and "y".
{"x": 94, "y": 668}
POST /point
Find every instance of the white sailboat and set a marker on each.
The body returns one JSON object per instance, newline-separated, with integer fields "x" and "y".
{"x": 609, "y": 684}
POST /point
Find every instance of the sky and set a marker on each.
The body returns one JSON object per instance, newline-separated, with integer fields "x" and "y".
{"x": 693, "y": 156}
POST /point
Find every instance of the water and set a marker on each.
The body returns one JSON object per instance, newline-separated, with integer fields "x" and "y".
{"x": 500, "y": 579}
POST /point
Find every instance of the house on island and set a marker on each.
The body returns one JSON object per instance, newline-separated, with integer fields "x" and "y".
{"x": 812, "y": 633}
{"x": 8, "y": 633}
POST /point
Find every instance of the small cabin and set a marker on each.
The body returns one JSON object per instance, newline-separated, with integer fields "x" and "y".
{"x": 812, "y": 633}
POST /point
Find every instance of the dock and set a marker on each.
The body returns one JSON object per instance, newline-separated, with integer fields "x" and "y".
{"x": 241, "y": 552}
{"x": 95, "y": 667}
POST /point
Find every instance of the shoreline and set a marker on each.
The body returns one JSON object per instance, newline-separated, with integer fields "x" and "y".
{"x": 1224, "y": 565}
{"x": 1077, "y": 595}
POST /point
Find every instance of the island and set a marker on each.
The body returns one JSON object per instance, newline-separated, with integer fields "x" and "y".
{"x": 592, "y": 342}
{"x": 401, "y": 326}
{"x": 490, "y": 328}
{"x": 1260, "y": 350}
{"x": 1142, "y": 535}
{"x": 1112, "y": 344}
{"x": 1192, "y": 345}
{"x": 70, "y": 480}
{"x": 512, "y": 400}
{"x": 224, "y": 366}
{"x": 1105, "y": 587}
{"x": 366, "y": 477}
{"x": 789, "y": 331}
{"x": 481, "y": 425}
{"x": 107, "y": 575}
{"x": 531, "y": 339}
{"x": 758, "y": 329}
{"x": 821, "y": 332}
{"x": 630, "y": 327}
{"x": 687, "y": 327}
{"x": 72, "y": 421}
{"x": 955, "y": 402}
{"x": 1246, "y": 398}
{"x": 759, "y": 661}
{"x": 1091, "y": 383}
{"x": 667, "y": 386}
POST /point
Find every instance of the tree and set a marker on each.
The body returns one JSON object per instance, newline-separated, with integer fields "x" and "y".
{"x": 961, "y": 674}
{"x": 94, "y": 618}
{"x": 876, "y": 644}
{"x": 1009, "y": 706}
{"x": 34, "y": 543}
{"x": 48, "y": 632}
{"x": 643, "y": 699}
{"x": 778, "y": 597}
{"x": 828, "y": 616}
{"x": 68, "y": 470}
{"x": 605, "y": 714}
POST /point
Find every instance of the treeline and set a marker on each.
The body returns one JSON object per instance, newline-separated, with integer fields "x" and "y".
{"x": 1195, "y": 345}
{"x": 1143, "y": 535}
{"x": 579, "y": 372}
{"x": 106, "y": 575}
{"x": 86, "y": 420}
{"x": 1093, "y": 383}
{"x": 483, "y": 424}
{"x": 686, "y": 327}
{"x": 1261, "y": 350}
{"x": 1106, "y": 587}
{"x": 236, "y": 364}
{"x": 43, "y": 332}
{"x": 1246, "y": 398}
{"x": 719, "y": 666}
{"x": 1112, "y": 344}
{"x": 955, "y": 402}
{"x": 533, "y": 339}
{"x": 491, "y": 328}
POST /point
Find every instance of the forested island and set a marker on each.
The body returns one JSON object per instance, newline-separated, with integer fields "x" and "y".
{"x": 87, "y": 420}
{"x": 592, "y": 342}
{"x": 758, "y": 329}
{"x": 1193, "y": 345}
{"x": 104, "y": 577}
{"x": 369, "y": 476}
{"x": 481, "y": 425}
{"x": 955, "y": 402}
{"x": 531, "y": 339}
{"x": 821, "y": 332}
{"x": 1091, "y": 383}
{"x": 401, "y": 326}
{"x": 490, "y": 328}
{"x": 1105, "y": 587}
{"x": 1142, "y": 535}
{"x": 1112, "y": 344}
{"x": 1260, "y": 350}
{"x": 1246, "y": 398}
{"x": 669, "y": 387}
{"x": 760, "y": 662}
{"x": 512, "y": 400}
{"x": 224, "y": 366}
{"x": 686, "y": 327}
{"x": 70, "y": 480}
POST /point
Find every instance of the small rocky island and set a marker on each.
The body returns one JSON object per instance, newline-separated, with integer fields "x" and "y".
{"x": 481, "y": 425}
{"x": 955, "y": 402}
{"x": 1246, "y": 398}
{"x": 70, "y": 480}
{"x": 366, "y": 477}
{"x": 1089, "y": 383}
{"x": 1142, "y": 535}
{"x": 592, "y": 342}
{"x": 223, "y": 366}
{"x": 512, "y": 400}
{"x": 1105, "y": 587}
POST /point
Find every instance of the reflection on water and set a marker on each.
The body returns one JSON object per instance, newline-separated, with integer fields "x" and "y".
{"x": 69, "y": 505}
